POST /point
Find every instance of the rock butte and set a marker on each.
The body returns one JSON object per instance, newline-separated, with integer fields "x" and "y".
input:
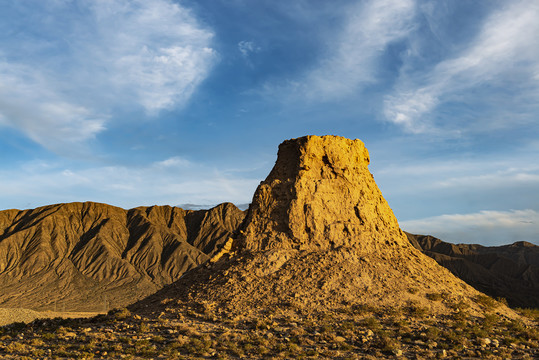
{"x": 320, "y": 195}
{"x": 318, "y": 236}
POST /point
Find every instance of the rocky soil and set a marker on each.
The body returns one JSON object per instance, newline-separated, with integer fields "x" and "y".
{"x": 200, "y": 331}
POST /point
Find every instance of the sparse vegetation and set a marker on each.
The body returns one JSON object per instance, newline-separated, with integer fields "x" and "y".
{"x": 486, "y": 302}
{"x": 379, "y": 333}
{"x": 434, "y": 296}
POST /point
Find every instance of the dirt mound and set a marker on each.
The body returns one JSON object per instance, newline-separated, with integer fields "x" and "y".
{"x": 508, "y": 271}
{"x": 91, "y": 257}
{"x": 319, "y": 236}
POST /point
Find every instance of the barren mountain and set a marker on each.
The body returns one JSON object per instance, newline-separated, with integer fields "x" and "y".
{"x": 90, "y": 256}
{"x": 509, "y": 271}
{"x": 318, "y": 236}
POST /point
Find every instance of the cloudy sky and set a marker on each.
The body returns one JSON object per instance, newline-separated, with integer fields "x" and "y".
{"x": 141, "y": 102}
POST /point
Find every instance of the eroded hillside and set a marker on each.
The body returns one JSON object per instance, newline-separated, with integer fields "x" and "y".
{"x": 508, "y": 271}
{"x": 90, "y": 256}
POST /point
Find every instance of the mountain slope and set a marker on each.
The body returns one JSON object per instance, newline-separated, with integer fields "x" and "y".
{"x": 90, "y": 256}
{"x": 509, "y": 271}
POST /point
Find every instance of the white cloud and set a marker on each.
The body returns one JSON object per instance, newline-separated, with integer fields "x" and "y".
{"x": 171, "y": 181}
{"x": 459, "y": 184}
{"x": 506, "y": 50}
{"x": 173, "y": 162}
{"x": 509, "y": 177}
{"x": 350, "y": 60}
{"x": 486, "y": 227}
{"x": 29, "y": 104}
{"x": 483, "y": 173}
{"x": 247, "y": 47}
{"x": 157, "y": 51}
{"x": 114, "y": 54}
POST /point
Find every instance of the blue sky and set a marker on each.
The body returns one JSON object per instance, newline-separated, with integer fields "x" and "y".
{"x": 171, "y": 102}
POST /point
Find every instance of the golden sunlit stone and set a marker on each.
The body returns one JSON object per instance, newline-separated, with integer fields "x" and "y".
{"x": 320, "y": 195}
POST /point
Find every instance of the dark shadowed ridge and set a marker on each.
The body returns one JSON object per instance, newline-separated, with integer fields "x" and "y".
{"x": 508, "y": 271}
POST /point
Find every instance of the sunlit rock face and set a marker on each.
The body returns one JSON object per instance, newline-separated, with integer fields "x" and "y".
{"x": 319, "y": 195}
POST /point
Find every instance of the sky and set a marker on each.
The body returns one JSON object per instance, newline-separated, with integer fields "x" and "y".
{"x": 143, "y": 102}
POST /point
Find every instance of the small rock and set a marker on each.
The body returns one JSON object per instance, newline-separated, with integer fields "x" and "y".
{"x": 339, "y": 339}
{"x": 370, "y": 333}
{"x": 397, "y": 352}
{"x": 485, "y": 342}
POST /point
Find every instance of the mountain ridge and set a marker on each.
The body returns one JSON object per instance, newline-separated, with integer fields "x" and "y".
{"x": 70, "y": 252}
{"x": 509, "y": 271}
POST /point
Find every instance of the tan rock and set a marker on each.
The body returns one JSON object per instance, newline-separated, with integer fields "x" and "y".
{"x": 319, "y": 195}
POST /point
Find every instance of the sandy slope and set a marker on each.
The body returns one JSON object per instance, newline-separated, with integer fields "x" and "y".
{"x": 9, "y": 316}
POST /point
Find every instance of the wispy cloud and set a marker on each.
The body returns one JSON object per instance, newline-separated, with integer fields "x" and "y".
{"x": 350, "y": 57}
{"x": 173, "y": 162}
{"x": 28, "y": 103}
{"x": 425, "y": 188}
{"x": 505, "y": 51}
{"x": 469, "y": 174}
{"x": 246, "y": 48}
{"x": 171, "y": 181}
{"x": 486, "y": 227}
{"x": 94, "y": 58}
